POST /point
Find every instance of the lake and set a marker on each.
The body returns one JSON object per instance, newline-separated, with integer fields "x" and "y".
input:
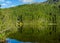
{"x": 15, "y": 41}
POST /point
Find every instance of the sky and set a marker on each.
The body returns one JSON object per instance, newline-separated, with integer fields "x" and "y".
{"x": 12, "y": 3}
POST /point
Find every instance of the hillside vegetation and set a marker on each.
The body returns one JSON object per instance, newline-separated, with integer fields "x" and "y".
{"x": 38, "y": 22}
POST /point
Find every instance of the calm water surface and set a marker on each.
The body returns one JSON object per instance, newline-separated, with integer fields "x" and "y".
{"x": 15, "y": 41}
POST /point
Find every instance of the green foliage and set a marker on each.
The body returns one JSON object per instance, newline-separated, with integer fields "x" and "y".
{"x": 40, "y": 21}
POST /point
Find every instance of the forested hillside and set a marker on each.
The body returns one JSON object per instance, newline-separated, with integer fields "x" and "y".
{"x": 37, "y": 22}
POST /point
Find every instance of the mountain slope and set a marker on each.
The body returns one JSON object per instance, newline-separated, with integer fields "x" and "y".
{"x": 32, "y": 22}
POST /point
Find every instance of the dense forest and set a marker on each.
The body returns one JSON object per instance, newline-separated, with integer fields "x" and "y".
{"x": 37, "y": 22}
